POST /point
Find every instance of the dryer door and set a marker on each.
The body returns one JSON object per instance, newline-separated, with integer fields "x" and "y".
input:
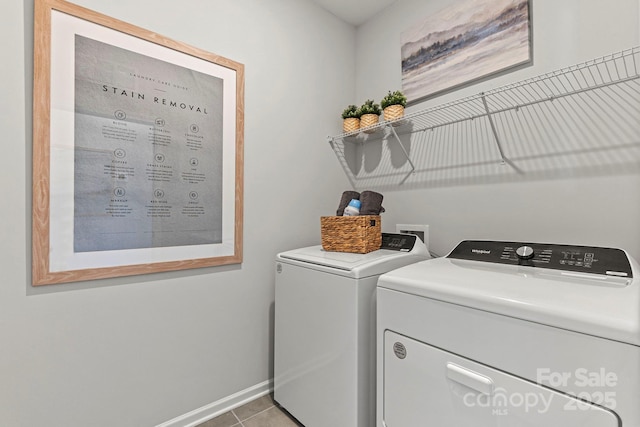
{"x": 424, "y": 385}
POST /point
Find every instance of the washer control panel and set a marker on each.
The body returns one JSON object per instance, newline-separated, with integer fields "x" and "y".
{"x": 585, "y": 259}
{"x": 398, "y": 242}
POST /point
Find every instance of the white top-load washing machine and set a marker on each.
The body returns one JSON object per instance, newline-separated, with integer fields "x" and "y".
{"x": 324, "y": 362}
{"x": 511, "y": 334}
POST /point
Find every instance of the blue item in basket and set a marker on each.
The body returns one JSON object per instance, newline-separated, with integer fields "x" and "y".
{"x": 353, "y": 209}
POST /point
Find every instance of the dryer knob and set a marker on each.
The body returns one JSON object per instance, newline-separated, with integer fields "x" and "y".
{"x": 525, "y": 252}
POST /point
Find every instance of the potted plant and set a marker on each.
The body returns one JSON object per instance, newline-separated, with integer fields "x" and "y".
{"x": 351, "y": 119}
{"x": 393, "y": 105}
{"x": 369, "y": 113}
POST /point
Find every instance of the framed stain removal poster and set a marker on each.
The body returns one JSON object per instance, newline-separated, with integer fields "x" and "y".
{"x": 138, "y": 150}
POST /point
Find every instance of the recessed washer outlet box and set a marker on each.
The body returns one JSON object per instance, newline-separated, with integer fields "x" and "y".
{"x": 422, "y": 231}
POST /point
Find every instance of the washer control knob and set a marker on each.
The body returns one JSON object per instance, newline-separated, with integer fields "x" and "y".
{"x": 525, "y": 252}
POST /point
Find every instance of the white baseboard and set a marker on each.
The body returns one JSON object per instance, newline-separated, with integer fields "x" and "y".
{"x": 212, "y": 410}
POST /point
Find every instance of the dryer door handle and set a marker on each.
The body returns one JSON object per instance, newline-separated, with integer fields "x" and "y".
{"x": 469, "y": 378}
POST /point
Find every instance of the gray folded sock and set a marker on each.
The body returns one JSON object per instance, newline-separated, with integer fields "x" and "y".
{"x": 347, "y": 196}
{"x": 371, "y": 203}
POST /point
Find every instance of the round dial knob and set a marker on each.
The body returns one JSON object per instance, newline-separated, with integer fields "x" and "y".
{"x": 524, "y": 252}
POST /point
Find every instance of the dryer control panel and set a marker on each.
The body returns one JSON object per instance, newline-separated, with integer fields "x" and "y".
{"x": 585, "y": 259}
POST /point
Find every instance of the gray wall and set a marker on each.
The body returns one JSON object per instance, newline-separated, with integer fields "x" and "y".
{"x": 140, "y": 351}
{"x": 588, "y": 205}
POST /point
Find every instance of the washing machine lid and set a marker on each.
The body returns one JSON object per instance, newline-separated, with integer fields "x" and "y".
{"x": 604, "y": 302}
{"x": 391, "y": 256}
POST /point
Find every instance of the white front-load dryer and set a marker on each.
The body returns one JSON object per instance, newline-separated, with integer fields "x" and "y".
{"x": 510, "y": 334}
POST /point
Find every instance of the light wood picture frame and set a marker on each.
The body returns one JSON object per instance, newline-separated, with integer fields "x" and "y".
{"x": 138, "y": 146}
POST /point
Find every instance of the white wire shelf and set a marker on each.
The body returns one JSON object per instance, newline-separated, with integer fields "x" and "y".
{"x": 573, "y": 109}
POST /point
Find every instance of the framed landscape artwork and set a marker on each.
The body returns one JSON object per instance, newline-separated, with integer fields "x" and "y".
{"x": 463, "y": 43}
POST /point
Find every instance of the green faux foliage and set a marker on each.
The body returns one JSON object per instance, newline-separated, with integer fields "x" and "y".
{"x": 394, "y": 98}
{"x": 370, "y": 107}
{"x": 351, "y": 112}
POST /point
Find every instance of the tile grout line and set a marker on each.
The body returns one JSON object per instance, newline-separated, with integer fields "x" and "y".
{"x": 237, "y": 418}
{"x": 254, "y": 415}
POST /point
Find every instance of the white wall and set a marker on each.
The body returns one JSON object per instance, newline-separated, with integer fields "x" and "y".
{"x": 600, "y": 207}
{"x": 139, "y": 351}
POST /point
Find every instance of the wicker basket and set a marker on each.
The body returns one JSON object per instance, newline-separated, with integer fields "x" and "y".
{"x": 393, "y": 112}
{"x": 368, "y": 120}
{"x": 351, "y": 124}
{"x": 356, "y": 234}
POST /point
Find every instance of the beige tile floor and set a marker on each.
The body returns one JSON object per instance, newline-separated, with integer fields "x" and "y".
{"x": 262, "y": 412}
